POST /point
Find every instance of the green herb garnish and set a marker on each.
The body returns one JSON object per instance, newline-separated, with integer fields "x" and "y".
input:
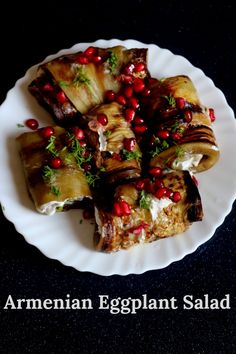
{"x": 63, "y": 83}
{"x": 80, "y": 78}
{"x": 171, "y": 100}
{"x": 130, "y": 155}
{"x": 77, "y": 151}
{"x": 91, "y": 179}
{"x": 51, "y": 147}
{"x": 19, "y": 125}
{"x": 48, "y": 174}
{"x": 55, "y": 190}
{"x": 179, "y": 151}
{"x": 107, "y": 133}
{"x": 112, "y": 61}
{"x": 145, "y": 200}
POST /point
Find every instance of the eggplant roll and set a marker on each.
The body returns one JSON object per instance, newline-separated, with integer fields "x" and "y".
{"x": 55, "y": 181}
{"x": 144, "y": 216}
{"x": 181, "y": 134}
{"x": 117, "y": 154}
{"x": 72, "y": 84}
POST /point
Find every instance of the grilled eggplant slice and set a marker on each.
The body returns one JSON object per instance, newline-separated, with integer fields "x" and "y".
{"x": 52, "y": 189}
{"x": 147, "y": 218}
{"x": 188, "y": 141}
{"x": 108, "y": 141}
{"x": 72, "y": 84}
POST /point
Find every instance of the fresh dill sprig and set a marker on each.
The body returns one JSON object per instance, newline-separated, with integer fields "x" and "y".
{"x": 80, "y": 78}
{"x": 131, "y": 155}
{"x": 112, "y": 61}
{"x": 144, "y": 200}
{"x": 51, "y": 147}
{"x": 171, "y": 100}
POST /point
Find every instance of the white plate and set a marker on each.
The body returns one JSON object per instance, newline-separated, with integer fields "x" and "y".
{"x": 62, "y": 236}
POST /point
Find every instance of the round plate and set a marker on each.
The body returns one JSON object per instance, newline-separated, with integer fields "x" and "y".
{"x": 66, "y": 236}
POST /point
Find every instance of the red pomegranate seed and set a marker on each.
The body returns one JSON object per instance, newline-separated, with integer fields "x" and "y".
{"x": 127, "y": 79}
{"x": 128, "y": 91}
{"x": 129, "y": 143}
{"x": 83, "y": 143}
{"x": 102, "y": 118}
{"x": 129, "y": 114}
{"x": 61, "y": 97}
{"x": 46, "y": 132}
{"x": 176, "y": 136}
{"x": 180, "y": 102}
{"x": 134, "y": 103}
{"x": 90, "y": 51}
{"x": 117, "y": 209}
{"x": 56, "y": 162}
{"x": 32, "y": 123}
{"x": 155, "y": 171}
{"x": 97, "y": 59}
{"x": 163, "y": 134}
{"x": 159, "y": 183}
{"x": 110, "y": 96}
{"x": 47, "y": 87}
{"x": 121, "y": 100}
{"x": 139, "y": 67}
{"x": 160, "y": 192}
{"x": 116, "y": 156}
{"x": 129, "y": 68}
{"x": 140, "y": 129}
{"x": 188, "y": 116}
{"x": 138, "y": 120}
{"x": 212, "y": 114}
{"x": 78, "y": 133}
{"x": 82, "y": 59}
{"x": 169, "y": 193}
{"x": 140, "y": 185}
{"x": 86, "y": 166}
{"x": 152, "y": 141}
{"x": 146, "y": 92}
{"x": 125, "y": 207}
{"x": 138, "y": 85}
{"x": 176, "y": 197}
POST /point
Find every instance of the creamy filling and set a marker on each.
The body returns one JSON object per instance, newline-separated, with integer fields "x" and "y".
{"x": 51, "y": 207}
{"x": 158, "y": 205}
{"x": 102, "y": 140}
{"x": 187, "y": 161}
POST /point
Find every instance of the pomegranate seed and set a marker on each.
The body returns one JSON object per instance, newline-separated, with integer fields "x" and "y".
{"x": 138, "y": 120}
{"x": 78, "y": 133}
{"x": 129, "y": 143}
{"x": 212, "y": 114}
{"x": 139, "y": 67}
{"x": 46, "y": 132}
{"x": 127, "y": 79}
{"x": 110, "y": 96}
{"x": 97, "y": 59}
{"x": 188, "y": 116}
{"x": 117, "y": 209}
{"x": 125, "y": 207}
{"x": 116, "y": 156}
{"x": 150, "y": 187}
{"x": 169, "y": 193}
{"x": 140, "y": 129}
{"x": 47, "y": 87}
{"x": 32, "y": 123}
{"x": 176, "y": 197}
{"x": 121, "y": 100}
{"x": 176, "y": 136}
{"x": 56, "y": 162}
{"x": 180, "y": 102}
{"x": 128, "y": 91}
{"x": 155, "y": 171}
{"x": 83, "y": 143}
{"x": 152, "y": 141}
{"x": 160, "y": 193}
{"x": 134, "y": 103}
{"x": 164, "y": 134}
{"x": 140, "y": 185}
{"x": 137, "y": 229}
{"x": 102, "y": 118}
{"x": 129, "y": 68}
{"x": 159, "y": 183}
{"x": 129, "y": 114}
{"x": 139, "y": 85}
{"x": 90, "y": 51}
{"x": 146, "y": 92}
{"x": 86, "y": 166}
{"x": 61, "y": 97}
{"x": 82, "y": 59}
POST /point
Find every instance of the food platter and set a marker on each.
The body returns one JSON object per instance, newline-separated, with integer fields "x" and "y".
{"x": 66, "y": 236}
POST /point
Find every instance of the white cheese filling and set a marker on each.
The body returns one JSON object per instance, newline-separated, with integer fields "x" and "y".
{"x": 102, "y": 140}
{"x": 158, "y": 205}
{"x": 187, "y": 161}
{"x": 50, "y": 208}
